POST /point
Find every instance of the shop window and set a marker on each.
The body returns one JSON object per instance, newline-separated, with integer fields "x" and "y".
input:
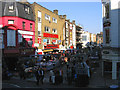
{"x": 11, "y": 38}
{"x": 1, "y": 40}
{"x": 30, "y": 42}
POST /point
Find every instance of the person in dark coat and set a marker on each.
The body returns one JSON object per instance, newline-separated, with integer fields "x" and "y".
{"x": 41, "y": 75}
{"x": 69, "y": 76}
{"x": 37, "y": 75}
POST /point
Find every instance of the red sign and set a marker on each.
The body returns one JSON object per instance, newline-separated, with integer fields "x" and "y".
{"x": 54, "y": 41}
{"x": 50, "y": 35}
{"x": 39, "y": 40}
{"x": 52, "y": 46}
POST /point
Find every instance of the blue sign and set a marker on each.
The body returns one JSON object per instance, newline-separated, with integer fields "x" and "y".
{"x": 44, "y": 40}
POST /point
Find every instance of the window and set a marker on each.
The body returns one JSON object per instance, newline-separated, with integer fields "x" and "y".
{"x": 10, "y": 21}
{"x": 1, "y": 40}
{"x": 70, "y": 26}
{"x": 30, "y": 42}
{"x": 39, "y": 33}
{"x": 30, "y": 26}
{"x": 107, "y": 10}
{"x": 47, "y": 29}
{"x": 47, "y": 17}
{"x": 84, "y": 38}
{"x": 39, "y": 19}
{"x": 54, "y": 20}
{"x": 20, "y": 39}
{"x": 107, "y": 36}
{"x": 11, "y": 38}
{"x": 27, "y": 9}
{"x": 11, "y": 7}
{"x": 23, "y": 24}
{"x": 54, "y": 31}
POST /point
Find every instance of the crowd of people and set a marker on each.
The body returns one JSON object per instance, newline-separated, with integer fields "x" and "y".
{"x": 66, "y": 72}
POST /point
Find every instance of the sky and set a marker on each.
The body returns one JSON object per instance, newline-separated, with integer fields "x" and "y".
{"x": 87, "y": 14}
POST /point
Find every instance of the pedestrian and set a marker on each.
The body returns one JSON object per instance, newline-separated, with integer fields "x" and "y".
{"x": 73, "y": 73}
{"x": 50, "y": 77}
{"x": 22, "y": 71}
{"x": 69, "y": 76}
{"x": 60, "y": 76}
{"x": 37, "y": 75}
{"x": 41, "y": 75}
{"x": 57, "y": 77}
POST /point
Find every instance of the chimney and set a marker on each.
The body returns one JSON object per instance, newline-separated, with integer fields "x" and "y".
{"x": 73, "y": 21}
{"x": 55, "y": 11}
{"x": 64, "y": 16}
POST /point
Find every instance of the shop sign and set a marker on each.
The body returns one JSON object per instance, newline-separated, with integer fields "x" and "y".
{"x": 52, "y": 46}
{"x": 50, "y": 35}
{"x": 39, "y": 40}
{"x": 44, "y": 40}
{"x": 53, "y": 41}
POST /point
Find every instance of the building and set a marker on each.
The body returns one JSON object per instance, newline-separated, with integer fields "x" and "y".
{"x": 85, "y": 38}
{"x": 111, "y": 35}
{"x": 49, "y": 29}
{"x": 78, "y": 36}
{"x": 17, "y": 28}
{"x": 70, "y": 34}
{"x": 92, "y": 37}
{"x": 99, "y": 38}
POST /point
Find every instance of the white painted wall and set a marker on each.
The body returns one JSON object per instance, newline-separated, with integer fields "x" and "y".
{"x": 114, "y": 23}
{"x": 74, "y": 36}
{"x": 88, "y": 38}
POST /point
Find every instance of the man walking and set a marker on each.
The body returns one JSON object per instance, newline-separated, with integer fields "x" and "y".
{"x": 41, "y": 75}
{"x": 37, "y": 75}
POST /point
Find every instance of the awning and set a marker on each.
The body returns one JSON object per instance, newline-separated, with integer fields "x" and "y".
{"x": 49, "y": 50}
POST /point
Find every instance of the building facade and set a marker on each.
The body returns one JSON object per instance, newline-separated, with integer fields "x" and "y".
{"x": 49, "y": 28}
{"x": 17, "y": 31}
{"x": 99, "y": 38}
{"x": 70, "y": 34}
{"x": 85, "y": 38}
{"x": 78, "y": 36}
{"x": 111, "y": 35}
